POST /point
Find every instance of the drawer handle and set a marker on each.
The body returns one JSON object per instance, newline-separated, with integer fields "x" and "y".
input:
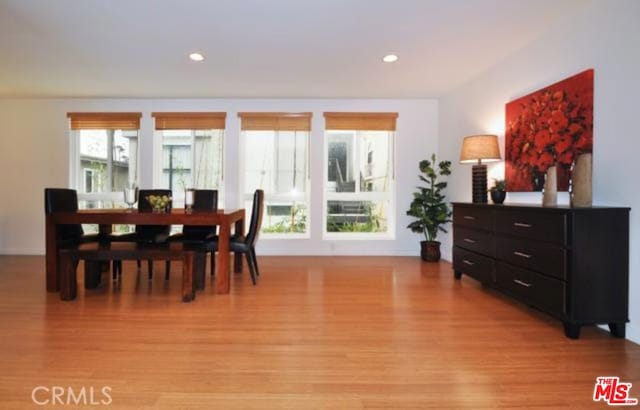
{"x": 522, "y": 225}
{"x": 521, "y": 283}
{"x": 471, "y": 218}
{"x": 522, "y": 254}
{"x": 469, "y": 240}
{"x": 466, "y": 262}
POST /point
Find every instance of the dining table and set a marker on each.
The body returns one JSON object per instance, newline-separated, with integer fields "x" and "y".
{"x": 106, "y": 218}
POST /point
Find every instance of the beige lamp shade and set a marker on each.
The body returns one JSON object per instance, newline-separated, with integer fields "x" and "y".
{"x": 480, "y": 148}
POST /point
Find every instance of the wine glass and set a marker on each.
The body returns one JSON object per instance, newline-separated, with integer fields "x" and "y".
{"x": 130, "y": 195}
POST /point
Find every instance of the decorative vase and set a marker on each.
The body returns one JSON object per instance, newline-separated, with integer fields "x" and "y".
{"x": 581, "y": 188}
{"x": 430, "y": 251}
{"x": 550, "y": 191}
{"x": 498, "y": 197}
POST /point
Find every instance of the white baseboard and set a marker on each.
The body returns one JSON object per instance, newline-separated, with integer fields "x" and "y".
{"x": 632, "y": 333}
{"x": 22, "y": 251}
{"x": 335, "y": 252}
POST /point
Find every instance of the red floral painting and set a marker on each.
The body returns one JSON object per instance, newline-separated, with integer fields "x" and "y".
{"x": 549, "y": 127}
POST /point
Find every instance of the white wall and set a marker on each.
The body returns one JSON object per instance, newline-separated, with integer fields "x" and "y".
{"x": 604, "y": 35}
{"x": 35, "y": 154}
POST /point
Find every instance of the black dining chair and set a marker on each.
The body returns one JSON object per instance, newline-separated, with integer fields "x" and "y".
{"x": 240, "y": 243}
{"x": 203, "y": 200}
{"x": 144, "y": 233}
{"x": 66, "y": 200}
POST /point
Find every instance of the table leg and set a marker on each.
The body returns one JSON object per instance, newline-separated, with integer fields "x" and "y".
{"x": 222, "y": 270}
{"x": 188, "y": 284}
{"x": 68, "y": 280}
{"x": 52, "y": 275}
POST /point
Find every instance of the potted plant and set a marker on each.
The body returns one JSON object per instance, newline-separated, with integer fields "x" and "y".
{"x": 498, "y": 191}
{"x": 429, "y": 208}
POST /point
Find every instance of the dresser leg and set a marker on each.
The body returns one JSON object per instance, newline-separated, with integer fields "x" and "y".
{"x": 617, "y": 329}
{"x": 571, "y": 331}
{"x": 457, "y": 274}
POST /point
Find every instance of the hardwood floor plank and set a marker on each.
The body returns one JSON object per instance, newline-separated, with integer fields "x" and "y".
{"x": 317, "y": 332}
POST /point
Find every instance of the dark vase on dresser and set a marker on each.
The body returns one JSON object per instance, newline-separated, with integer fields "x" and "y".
{"x": 572, "y": 263}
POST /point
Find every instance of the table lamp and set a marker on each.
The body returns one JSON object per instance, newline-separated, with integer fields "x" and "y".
{"x": 477, "y": 149}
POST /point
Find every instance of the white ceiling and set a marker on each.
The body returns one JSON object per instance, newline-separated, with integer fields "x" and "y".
{"x": 260, "y": 48}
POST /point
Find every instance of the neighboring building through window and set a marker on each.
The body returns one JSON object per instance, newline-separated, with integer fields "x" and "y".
{"x": 359, "y": 177}
{"x": 191, "y": 153}
{"x": 104, "y": 156}
{"x": 274, "y": 158}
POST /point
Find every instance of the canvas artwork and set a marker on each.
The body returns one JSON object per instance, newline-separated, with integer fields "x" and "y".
{"x": 551, "y": 126}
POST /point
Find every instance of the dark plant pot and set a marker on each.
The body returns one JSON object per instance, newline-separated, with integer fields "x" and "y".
{"x": 498, "y": 197}
{"x": 430, "y": 251}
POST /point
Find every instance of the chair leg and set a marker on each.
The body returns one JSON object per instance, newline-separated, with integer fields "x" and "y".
{"x": 213, "y": 263}
{"x": 114, "y": 268}
{"x": 167, "y": 269}
{"x": 150, "y": 268}
{"x": 251, "y": 268}
{"x": 255, "y": 260}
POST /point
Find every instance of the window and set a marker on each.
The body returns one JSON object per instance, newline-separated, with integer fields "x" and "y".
{"x": 191, "y": 152}
{"x": 104, "y": 156}
{"x": 359, "y": 175}
{"x": 274, "y": 158}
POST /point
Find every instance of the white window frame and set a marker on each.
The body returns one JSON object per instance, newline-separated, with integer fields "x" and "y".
{"x": 388, "y": 196}
{"x": 280, "y": 197}
{"x": 76, "y": 177}
{"x": 178, "y": 195}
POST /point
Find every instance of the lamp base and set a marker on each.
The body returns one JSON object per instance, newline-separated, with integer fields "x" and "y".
{"x": 479, "y": 180}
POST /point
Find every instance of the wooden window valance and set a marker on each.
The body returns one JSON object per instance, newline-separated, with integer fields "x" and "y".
{"x": 369, "y": 121}
{"x": 190, "y": 120}
{"x": 279, "y": 121}
{"x": 104, "y": 120}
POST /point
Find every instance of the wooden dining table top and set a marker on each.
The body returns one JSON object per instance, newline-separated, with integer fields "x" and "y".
{"x": 177, "y": 216}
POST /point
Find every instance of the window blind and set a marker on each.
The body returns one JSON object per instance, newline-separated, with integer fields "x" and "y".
{"x": 280, "y": 121}
{"x": 368, "y": 121}
{"x": 190, "y": 120}
{"x": 104, "y": 120}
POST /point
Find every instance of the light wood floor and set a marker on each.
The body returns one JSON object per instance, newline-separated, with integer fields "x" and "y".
{"x": 317, "y": 332}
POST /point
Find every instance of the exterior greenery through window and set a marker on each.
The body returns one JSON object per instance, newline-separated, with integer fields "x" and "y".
{"x": 191, "y": 159}
{"x": 275, "y": 159}
{"x": 190, "y": 153}
{"x": 359, "y": 182}
{"x": 104, "y": 158}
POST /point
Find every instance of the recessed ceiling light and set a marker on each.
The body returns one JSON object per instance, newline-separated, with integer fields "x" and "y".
{"x": 196, "y": 57}
{"x": 390, "y": 58}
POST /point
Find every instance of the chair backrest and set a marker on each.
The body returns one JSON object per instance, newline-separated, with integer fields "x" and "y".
{"x": 203, "y": 200}
{"x": 256, "y": 217}
{"x": 63, "y": 200}
{"x": 144, "y": 206}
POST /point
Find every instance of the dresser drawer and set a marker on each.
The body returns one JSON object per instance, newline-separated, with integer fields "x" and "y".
{"x": 477, "y": 266}
{"x": 474, "y": 240}
{"x": 543, "y": 257}
{"x": 544, "y": 226}
{"x": 538, "y": 290}
{"x": 480, "y": 218}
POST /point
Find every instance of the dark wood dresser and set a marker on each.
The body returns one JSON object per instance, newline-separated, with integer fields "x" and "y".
{"x": 572, "y": 263}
